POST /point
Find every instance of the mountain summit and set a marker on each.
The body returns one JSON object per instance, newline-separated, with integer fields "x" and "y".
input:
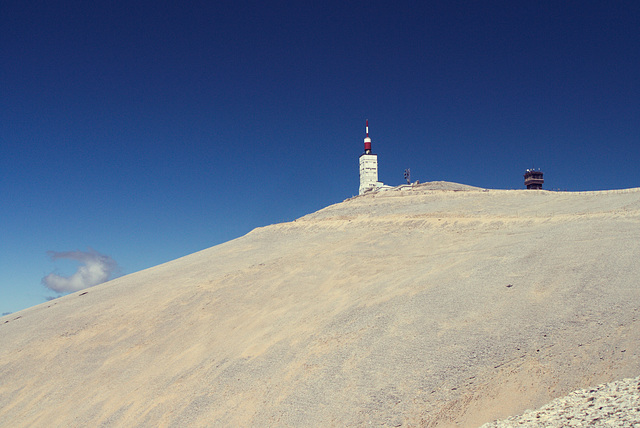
{"x": 428, "y": 305}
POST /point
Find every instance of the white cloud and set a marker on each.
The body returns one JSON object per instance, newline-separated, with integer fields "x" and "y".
{"x": 96, "y": 268}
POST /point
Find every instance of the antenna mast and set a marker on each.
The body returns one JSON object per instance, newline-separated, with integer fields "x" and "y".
{"x": 367, "y": 140}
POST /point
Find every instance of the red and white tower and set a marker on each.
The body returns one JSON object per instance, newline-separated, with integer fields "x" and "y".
{"x": 367, "y": 140}
{"x": 368, "y": 165}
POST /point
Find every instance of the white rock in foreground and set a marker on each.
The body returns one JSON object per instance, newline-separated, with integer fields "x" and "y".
{"x": 615, "y": 404}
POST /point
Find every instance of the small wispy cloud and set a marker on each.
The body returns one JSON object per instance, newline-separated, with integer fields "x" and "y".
{"x": 96, "y": 268}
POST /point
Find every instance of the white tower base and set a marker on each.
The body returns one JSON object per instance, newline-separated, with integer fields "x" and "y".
{"x": 368, "y": 172}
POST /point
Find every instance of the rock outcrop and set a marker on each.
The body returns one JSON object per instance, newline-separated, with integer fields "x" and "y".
{"x": 616, "y": 404}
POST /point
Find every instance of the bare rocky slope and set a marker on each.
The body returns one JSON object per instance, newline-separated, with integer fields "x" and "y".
{"x": 432, "y": 305}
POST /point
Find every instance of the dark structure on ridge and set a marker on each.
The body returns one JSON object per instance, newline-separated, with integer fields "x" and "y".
{"x": 533, "y": 179}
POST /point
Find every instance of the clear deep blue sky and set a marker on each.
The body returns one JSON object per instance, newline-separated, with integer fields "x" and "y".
{"x": 148, "y": 130}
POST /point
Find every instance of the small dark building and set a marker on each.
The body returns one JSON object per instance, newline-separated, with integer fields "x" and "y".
{"x": 533, "y": 179}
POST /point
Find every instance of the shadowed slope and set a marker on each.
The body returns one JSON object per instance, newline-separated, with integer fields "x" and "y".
{"x": 405, "y": 307}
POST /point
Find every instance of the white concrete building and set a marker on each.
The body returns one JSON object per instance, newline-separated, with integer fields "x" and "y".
{"x": 368, "y": 172}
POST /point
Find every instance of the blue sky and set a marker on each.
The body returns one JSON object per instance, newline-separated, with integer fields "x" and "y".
{"x": 148, "y": 130}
